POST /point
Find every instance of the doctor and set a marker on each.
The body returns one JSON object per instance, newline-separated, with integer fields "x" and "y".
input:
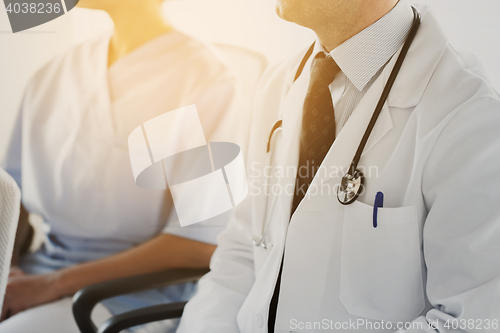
{"x": 428, "y": 261}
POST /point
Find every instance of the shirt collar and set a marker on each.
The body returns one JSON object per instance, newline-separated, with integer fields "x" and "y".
{"x": 364, "y": 54}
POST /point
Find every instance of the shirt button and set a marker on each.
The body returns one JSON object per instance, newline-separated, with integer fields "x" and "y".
{"x": 259, "y": 320}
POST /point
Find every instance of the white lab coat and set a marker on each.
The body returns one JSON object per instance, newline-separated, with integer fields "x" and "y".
{"x": 434, "y": 153}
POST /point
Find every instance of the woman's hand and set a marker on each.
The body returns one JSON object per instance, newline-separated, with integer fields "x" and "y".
{"x": 16, "y": 271}
{"x": 26, "y": 291}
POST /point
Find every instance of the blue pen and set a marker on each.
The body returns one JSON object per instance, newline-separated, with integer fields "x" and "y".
{"x": 379, "y": 203}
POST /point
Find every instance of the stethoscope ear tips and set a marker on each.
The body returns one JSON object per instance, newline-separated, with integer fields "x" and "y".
{"x": 259, "y": 241}
{"x": 254, "y": 240}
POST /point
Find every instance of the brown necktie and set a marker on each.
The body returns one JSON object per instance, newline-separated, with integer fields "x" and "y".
{"x": 318, "y": 124}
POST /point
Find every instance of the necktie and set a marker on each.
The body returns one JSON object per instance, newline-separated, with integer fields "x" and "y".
{"x": 318, "y": 124}
{"x": 316, "y": 138}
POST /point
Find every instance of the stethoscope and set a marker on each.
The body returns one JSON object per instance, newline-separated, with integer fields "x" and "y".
{"x": 353, "y": 181}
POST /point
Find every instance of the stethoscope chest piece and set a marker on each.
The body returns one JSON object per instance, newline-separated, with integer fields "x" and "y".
{"x": 350, "y": 187}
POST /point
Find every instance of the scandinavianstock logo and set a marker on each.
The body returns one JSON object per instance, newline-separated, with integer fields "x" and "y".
{"x": 25, "y": 14}
{"x": 205, "y": 179}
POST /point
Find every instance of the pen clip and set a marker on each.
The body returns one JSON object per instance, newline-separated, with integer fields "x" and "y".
{"x": 379, "y": 203}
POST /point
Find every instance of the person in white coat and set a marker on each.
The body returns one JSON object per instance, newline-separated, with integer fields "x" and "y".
{"x": 69, "y": 154}
{"x": 428, "y": 260}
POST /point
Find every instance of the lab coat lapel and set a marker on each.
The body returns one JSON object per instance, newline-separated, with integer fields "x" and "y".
{"x": 407, "y": 91}
{"x": 344, "y": 147}
{"x": 289, "y": 155}
{"x": 422, "y": 59}
{"x": 266, "y": 114}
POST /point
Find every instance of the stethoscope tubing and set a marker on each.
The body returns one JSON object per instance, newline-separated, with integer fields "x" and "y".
{"x": 387, "y": 90}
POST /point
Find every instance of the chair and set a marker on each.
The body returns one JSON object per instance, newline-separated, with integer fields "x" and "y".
{"x": 10, "y": 203}
{"x": 247, "y": 66}
{"x": 87, "y": 298}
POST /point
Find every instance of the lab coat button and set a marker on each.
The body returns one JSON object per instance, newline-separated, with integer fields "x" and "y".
{"x": 259, "y": 320}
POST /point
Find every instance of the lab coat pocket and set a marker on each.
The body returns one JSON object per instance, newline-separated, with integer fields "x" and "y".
{"x": 381, "y": 272}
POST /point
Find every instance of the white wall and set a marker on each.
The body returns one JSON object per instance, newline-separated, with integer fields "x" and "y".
{"x": 474, "y": 26}
{"x": 471, "y": 25}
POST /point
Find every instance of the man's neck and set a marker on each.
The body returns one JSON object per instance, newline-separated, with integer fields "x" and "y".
{"x": 133, "y": 28}
{"x": 336, "y": 32}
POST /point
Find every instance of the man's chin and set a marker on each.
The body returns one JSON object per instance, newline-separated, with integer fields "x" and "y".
{"x": 282, "y": 12}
